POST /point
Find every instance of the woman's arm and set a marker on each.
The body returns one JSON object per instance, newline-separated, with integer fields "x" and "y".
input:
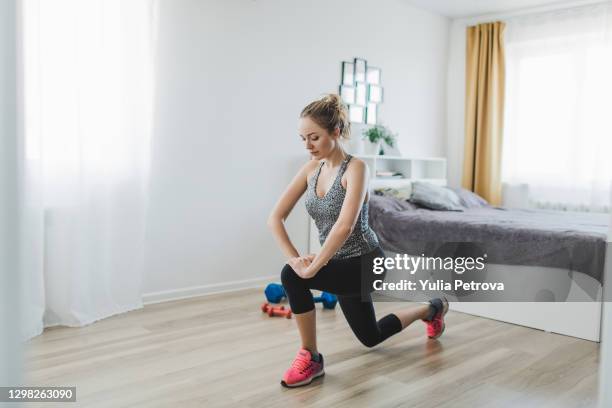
{"x": 356, "y": 189}
{"x": 283, "y": 208}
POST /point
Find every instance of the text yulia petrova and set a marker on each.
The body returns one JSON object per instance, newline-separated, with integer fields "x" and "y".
{"x": 412, "y": 264}
{"x": 437, "y": 285}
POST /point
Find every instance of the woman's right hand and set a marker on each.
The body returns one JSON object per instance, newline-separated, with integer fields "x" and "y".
{"x": 309, "y": 258}
{"x": 299, "y": 264}
{"x": 306, "y": 259}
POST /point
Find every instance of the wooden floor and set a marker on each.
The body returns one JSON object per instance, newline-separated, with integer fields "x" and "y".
{"x": 221, "y": 350}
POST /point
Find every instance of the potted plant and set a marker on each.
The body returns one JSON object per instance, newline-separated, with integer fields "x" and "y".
{"x": 373, "y": 138}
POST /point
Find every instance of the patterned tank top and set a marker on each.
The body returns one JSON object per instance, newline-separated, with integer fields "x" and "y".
{"x": 325, "y": 211}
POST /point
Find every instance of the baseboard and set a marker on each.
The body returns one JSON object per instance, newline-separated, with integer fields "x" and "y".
{"x": 185, "y": 293}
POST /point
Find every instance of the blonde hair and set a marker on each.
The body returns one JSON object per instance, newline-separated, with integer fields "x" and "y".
{"x": 330, "y": 113}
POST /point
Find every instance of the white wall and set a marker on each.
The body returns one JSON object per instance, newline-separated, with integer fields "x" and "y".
{"x": 232, "y": 79}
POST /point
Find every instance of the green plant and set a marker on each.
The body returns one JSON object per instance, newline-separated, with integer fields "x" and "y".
{"x": 379, "y": 133}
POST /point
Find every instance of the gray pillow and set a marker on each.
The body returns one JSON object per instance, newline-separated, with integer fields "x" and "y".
{"x": 435, "y": 197}
{"x": 391, "y": 203}
{"x": 470, "y": 199}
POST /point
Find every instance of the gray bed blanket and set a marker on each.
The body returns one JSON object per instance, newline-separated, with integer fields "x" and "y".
{"x": 569, "y": 240}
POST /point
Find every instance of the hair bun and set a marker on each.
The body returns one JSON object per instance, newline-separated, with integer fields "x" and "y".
{"x": 332, "y": 99}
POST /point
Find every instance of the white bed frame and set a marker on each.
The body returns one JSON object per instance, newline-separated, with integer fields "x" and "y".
{"x": 579, "y": 318}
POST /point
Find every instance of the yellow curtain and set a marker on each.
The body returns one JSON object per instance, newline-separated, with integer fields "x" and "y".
{"x": 484, "y": 110}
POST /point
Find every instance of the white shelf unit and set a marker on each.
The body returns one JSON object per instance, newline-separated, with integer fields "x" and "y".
{"x": 428, "y": 169}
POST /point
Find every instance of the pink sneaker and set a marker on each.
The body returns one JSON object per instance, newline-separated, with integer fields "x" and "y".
{"x": 436, "y": 326}
{"x": 303, "y": 370}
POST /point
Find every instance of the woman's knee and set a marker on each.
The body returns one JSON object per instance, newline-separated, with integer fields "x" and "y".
{"x": 369, "y": 342}
{"x": 288, "y": 276}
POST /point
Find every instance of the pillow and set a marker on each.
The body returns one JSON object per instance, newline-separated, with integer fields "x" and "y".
{"x": 386, "y": 203}
{"x": 469, "y": 199}
{"x": 435, "y": 197}
{"x": 401, "y": 193}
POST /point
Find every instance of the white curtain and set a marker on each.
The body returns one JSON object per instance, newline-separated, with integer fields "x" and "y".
{"x": 558, "y": 132}
{"x": 86, "y": 92}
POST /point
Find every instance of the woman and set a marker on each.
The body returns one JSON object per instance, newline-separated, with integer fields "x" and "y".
{"x": 336, "y": 186}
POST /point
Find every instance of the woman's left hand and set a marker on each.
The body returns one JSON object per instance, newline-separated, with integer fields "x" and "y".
{"x": 301, "y": 266}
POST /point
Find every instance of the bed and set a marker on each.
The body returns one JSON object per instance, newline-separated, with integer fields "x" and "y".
{"x": 553, "y": 261}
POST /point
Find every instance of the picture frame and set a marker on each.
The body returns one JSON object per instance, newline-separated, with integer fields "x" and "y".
{"x": 356, "y": 113}
{"x": 375, "y": 94}
{"x": 360, "y": 94}
{"x": 373, "y": 75}
{"x": 347, "y": 93}
{"x": 348, "y": 73}
{"x": 360, "y": 69}
{"x": 371, "y": 113}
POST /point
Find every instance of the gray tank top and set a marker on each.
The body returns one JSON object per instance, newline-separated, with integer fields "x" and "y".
{"x": 325, "y": 211}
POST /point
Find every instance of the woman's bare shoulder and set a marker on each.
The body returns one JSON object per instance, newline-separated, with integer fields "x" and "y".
{"x": 356, "y": 169}
{"x": 309, "y": 167}
{"x": 356, "y": 165}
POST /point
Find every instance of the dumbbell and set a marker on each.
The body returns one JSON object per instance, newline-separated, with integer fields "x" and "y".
{"x": 275, "y": 292}
{"x": 276, "y": 311}
{"x": 266, "y": 307}
{"x": 327, "y": 299}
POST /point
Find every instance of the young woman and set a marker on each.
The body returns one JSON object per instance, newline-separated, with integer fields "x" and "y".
{"x": 336, "y": 186}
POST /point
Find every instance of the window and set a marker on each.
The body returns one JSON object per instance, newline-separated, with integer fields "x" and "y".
{"x": 558, "y": 122}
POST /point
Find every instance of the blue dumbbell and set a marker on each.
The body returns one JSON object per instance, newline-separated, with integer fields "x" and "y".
{"x": 275, "y": 292}
{"x": 327, "y": 299}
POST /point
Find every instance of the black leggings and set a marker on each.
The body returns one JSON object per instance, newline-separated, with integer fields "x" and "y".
{"x": 350, "y": 280}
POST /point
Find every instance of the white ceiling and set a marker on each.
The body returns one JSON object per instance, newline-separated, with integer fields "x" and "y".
{"x": 470, "y": 8}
